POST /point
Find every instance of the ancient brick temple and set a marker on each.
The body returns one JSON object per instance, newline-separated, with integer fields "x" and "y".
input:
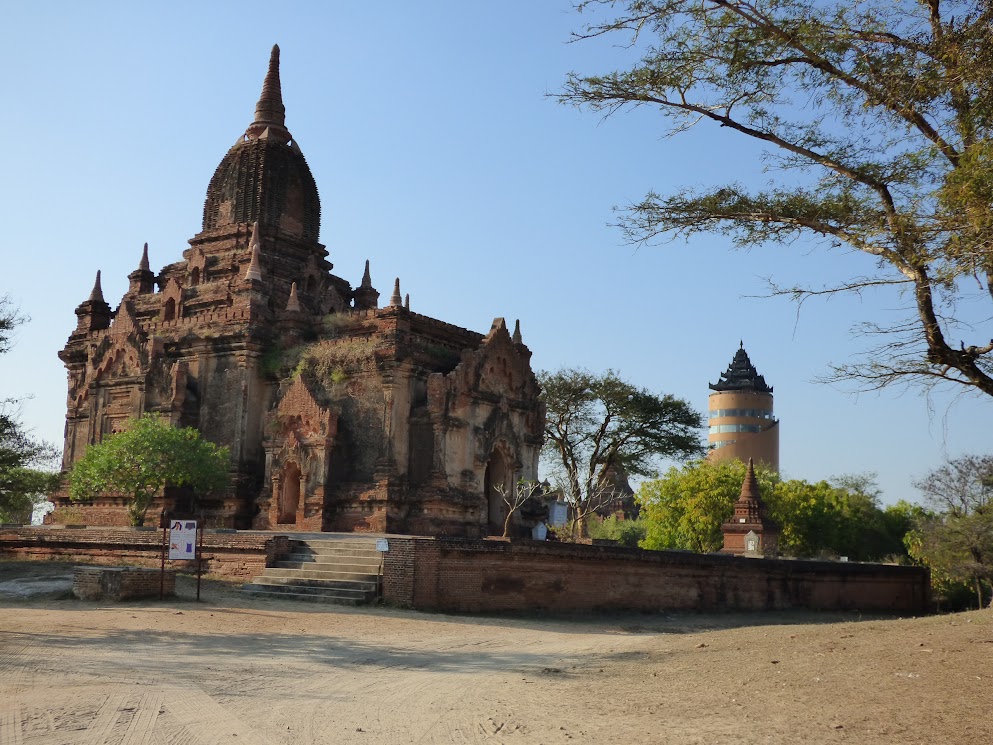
{"x": 339, "y": 414}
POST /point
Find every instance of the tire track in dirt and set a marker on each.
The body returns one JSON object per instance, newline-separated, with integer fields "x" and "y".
{"x": 10, "y": 723}
{"x": 140, "y": 730}
{"x": 206, "y": 721}
{"x": 107, "y": 715}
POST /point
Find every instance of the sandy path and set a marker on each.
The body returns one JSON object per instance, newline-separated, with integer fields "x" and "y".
{"x": 241, "y": 670}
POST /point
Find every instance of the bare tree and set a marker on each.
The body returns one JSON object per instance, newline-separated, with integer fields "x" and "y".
{"x": 956, "y": 538}
{"x": 515, "y": 498}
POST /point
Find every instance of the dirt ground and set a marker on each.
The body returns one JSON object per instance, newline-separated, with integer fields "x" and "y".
{"x": 233, "y": 669}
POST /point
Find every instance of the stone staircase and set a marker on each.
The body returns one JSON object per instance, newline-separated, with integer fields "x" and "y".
{"x": 343, "y": 571}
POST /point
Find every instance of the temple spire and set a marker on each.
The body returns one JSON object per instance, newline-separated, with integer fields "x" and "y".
{"x": 270, "y": 109}
{"x": 96, "y": 295}
{"x": 293, "y": 304}
{"x": 750, "y": 486}
{"x": 406, "y": 301}
{"x": 254, "y": 270}
{"x": 396, "y": 299}
{"x": 143, "y": 264}
{"x": 517, "y": 338}
{"x": 366, "y": 277}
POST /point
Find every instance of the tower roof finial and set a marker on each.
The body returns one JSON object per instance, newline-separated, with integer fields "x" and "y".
{"x": 96, "y": 295}
{"x": 517, "y": 338}
{"x": 143, "y": 264}
{"x": 270, "y": 109}
{"x": 366, "y": 277}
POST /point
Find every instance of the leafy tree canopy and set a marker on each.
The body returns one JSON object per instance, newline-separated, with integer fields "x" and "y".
{"x": 25, "y": 463}
{"x": 599, "y": 425}
{"x": 876, "y": 121}
{"x": 23, "y": 478}
{"x": 147, "y": 456}
{"x": 687, "y": 506}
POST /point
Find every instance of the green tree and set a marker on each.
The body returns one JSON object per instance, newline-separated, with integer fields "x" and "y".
{"x": 955, "y": 537}
{"x": 626, "y": 532}
{"x": 875, "y": 120}
{"x": 597, "y": 425}
{"x": 24, "y": 482}
{"x": 26, "y": 464}
{"x": 687, "y": 506}
{"x": 147, "y": 456}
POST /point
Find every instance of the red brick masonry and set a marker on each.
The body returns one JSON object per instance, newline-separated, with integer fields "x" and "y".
{"x": 479, "y": 576}
{"x": 235, "y": 555}
{"x": 122, "y": 583}
{"x": 472, "y": 576}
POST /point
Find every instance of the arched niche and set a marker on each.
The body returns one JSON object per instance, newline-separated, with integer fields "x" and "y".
{"x": 497, "y": 481}
{"x": 289, "y": 494}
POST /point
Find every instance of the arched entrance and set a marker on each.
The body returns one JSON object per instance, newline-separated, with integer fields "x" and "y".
{"x": 289, "y": 493}
{"x": 498, "y": 479}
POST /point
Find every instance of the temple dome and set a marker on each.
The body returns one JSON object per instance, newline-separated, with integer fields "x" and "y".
{"x": 265, "y": 177}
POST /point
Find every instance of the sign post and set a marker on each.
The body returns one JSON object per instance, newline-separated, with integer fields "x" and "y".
{"x": 164, "y": 524}
{"x": 200, "y": 556}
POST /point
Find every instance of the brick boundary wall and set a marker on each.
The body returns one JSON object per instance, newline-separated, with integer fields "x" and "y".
{"x": 231, "y": 555}
{"x": 473, "y": 576}
{"x": 121, "y": 583}
{"x": 479, "y": 576}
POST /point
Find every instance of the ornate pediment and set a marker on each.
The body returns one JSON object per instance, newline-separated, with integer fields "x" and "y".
{"x": 499, "y": 367}
{"x": 299, "y": 416}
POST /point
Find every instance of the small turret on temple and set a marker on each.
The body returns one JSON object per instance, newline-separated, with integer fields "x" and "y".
{"x": 93, "y": 314}
{"x": 750, "y": 531}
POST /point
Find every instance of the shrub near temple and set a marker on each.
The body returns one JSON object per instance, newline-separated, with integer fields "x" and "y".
{"x": 147, "y": 456}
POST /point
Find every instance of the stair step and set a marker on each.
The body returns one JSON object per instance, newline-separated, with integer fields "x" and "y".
{"x": 346, "y": 585}
{"x": 345, "y": 592}
{"x": 295, "y": 562}
{"x": 336, "y": 545}
{"x": 329, "y": 574}
{"x": 327, "y": 599}
{"x": 332, "y": 550}
{"x": 333, "y": 571}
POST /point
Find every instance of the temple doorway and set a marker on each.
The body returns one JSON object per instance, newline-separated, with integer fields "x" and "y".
{"x": 289, "y": 494}
{"x": 498, "y": 480}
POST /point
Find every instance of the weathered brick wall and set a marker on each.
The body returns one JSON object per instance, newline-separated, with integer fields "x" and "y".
{"x": 121, "y": 583}
{"x": 467, "y": 575}
{"x": 399, "y": 571}
{"x": 234, "y": 555}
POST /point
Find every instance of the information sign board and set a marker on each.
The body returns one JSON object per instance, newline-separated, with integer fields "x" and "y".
{"x": 183, "y": 539}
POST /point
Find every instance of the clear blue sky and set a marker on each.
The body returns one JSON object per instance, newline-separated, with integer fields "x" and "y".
{"x": 441, "y": 159}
